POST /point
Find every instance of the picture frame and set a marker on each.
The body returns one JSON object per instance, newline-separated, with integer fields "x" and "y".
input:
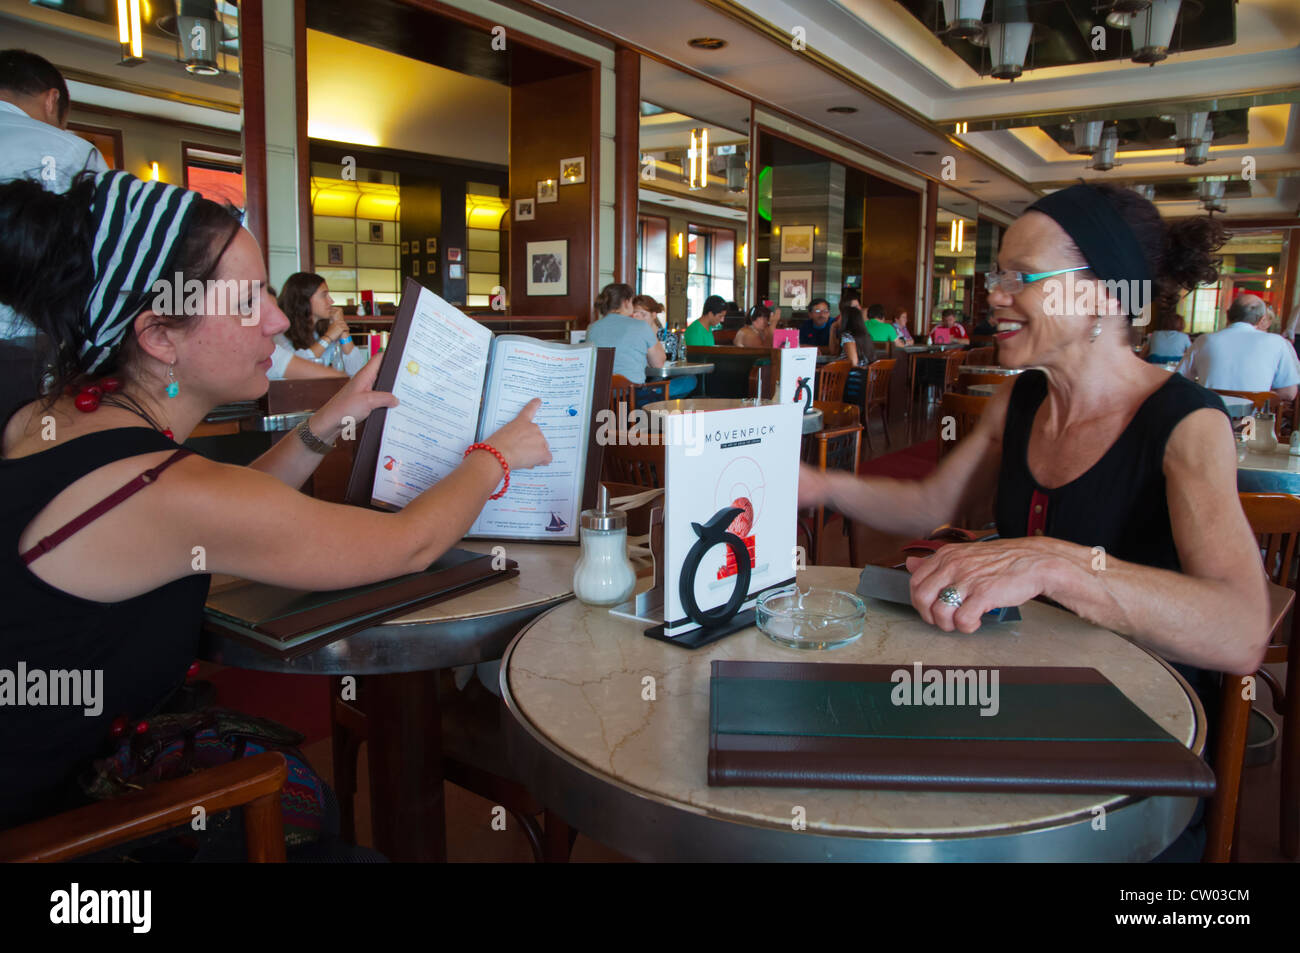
{"x": 795, "y": 289}
{"x": 430, "y": 246}
{"x": 524, "y": 209}
{"x": 406, "y": 248}
{"x": 546, "y": 266}
{"x": 415, "y": 268}
{"x": 453, "y": 254}
{"x": 573, "y": 171}
{"x": 431, "y": 266}
{"x": 334, "y": 254}
{"x": 797, "y": 243}
{"x": 547, "y": 191}
{"x": 376, "y": 231}
{"x": 456, "y": 271}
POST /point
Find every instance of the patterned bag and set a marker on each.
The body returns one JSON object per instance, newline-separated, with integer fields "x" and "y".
{"x": 176, "y": 745}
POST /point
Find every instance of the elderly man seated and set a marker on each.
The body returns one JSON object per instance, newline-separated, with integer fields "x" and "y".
{"x": 1244, "y": 356}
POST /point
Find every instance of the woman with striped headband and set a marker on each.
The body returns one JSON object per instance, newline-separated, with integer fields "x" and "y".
{"x": 130, "y": 381}
{"x": 1091, "y": 451}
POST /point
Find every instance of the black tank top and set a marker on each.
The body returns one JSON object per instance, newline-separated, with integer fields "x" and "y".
{"x": 1118, "y": 504}
{"x": 142, "y": 645}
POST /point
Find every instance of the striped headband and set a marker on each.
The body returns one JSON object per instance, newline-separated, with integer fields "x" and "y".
{"x": 138, "y": 226}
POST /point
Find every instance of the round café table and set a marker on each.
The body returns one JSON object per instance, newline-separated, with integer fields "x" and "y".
{"x": 1237, "y": 406}
{"x": 1276, "y": 472}
{"x": 813, "y": 419}
{"x": 631, "y": 773}
{"x": 678, "y": 369}
{"x": 399, "y": 660}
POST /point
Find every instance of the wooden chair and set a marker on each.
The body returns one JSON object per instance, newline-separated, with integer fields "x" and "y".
{"x": 837, "y": 446}
{"x": 969, "y": 380}
{"x": 623, "y": 391}
{"x": 769, "y": 381}
{"x": 876, "y": 395}
{"x": 639, "y": 465}
{"x": 981, "y": 356}
{"x": 829, "y": 385}
{"x": 251, "y": 783}
{"x": 952, "y": 369}
{"x": 965, "y": 411}
{"x": 1275, "y": 520}
{"x": 1260, "y": 398}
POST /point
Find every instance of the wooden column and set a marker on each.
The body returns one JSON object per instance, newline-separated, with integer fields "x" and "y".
{"x": 306, "y": 247}
{"x": 253, "y": 90}
{"x": 627, "y": 161}
{"x": 929, "y": 233}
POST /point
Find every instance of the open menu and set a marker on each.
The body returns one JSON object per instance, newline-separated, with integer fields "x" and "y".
{"x": 458, "y": 384}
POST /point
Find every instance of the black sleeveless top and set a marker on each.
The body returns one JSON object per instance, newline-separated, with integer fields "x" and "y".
{"x": 1119, "y": 503}
{"x": 142, "y": 645}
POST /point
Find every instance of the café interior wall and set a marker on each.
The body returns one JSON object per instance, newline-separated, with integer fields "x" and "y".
{"x": 145, "y": 141}
{"x": 892, "y": 226}
{"x": 675, "y": 305}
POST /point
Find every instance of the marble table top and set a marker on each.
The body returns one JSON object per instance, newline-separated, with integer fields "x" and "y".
{"x": 574, "y": 678}
{"x": 1276, "y": 472}
{"x": 990, "y": 369}
{"x": 678, "y": 369}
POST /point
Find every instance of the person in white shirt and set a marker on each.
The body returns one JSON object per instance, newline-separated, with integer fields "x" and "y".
{"x": 35, "y": 144}
{"x": 317, "y": 330}
{"x": 1244, "y": 356}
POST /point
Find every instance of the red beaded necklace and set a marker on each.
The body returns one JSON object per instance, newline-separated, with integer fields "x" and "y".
{"x": 90, "y": 396}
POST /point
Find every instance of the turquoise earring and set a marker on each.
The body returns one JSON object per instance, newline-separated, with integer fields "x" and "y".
{"x": 173, "y": 388}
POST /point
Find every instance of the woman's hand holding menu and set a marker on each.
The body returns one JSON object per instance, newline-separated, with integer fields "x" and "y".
{"x": 521, "y": 441}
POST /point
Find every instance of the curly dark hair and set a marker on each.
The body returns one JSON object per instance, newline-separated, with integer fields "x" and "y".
{"x": 295, "y": 301}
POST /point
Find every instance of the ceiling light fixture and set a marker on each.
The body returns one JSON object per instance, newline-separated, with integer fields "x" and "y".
{"x": 955, "y": 233}
{"x": 1087, "y": 136}
{"x": 1008, "y": 44}
{"x": 1210, "y": 192}
{"x": 1103, "y": 160}
{"x": 1189, "y": 128}
{"x": 964, "y": 17}
{"x": 1199, "y": 152}
{"x": 698, "y": 157}
{"x": 129, "y": 33}
{"x": 1152, "y": 29}
{"x": 706, "y": 43}
{"x": 960, "y": 128}
{"x": 842, "y": 110}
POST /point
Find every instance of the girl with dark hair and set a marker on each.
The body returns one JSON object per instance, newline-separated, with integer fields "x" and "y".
{"x": 757, "y": 331}
{"x": 317, "y": 330}
{"x": 857, "y": 345}
{"x": 1091, "y": 450}
{"x": 108, "y": 527}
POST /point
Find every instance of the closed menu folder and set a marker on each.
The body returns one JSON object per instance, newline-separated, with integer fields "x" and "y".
{"x": 821, "y": 725}
{"x": 291, "y": 622}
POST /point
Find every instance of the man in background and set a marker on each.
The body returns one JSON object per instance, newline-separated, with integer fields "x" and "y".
{"x": 1243, "y": 355}
{"x": 699, "y": 333}
{"x": 878, "y": 329}
{"x": 816, "y": 330}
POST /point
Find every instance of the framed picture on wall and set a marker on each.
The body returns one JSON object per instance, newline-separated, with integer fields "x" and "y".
{"x": 796, "y": 289}
{"x": 524, "y": 209}
{"x": 376, "y": 231}
{"x": 415, "y": 268}
{"x": 547, "y": 191}
{"x": 546, "y": 265}
{"x": 431, "y": 266}
{"x": 797, "y": 243}
{"x": 406, "y": 248}
{"x": 430, "y": 246}
{"x": 573, "y": 171}
{"x": 334, "y": 254}
{"x": 453, "y": 254}
{"x": 456, "y": 271}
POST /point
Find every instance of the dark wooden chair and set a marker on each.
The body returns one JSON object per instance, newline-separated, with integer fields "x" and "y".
{"x": 829, "y": 385}
{"x": 623, "y": 391}
{"x": 876, "y": 396}
{"x": 639, "y": 465}
{"x": 251, "y": 783}
{"x": 967, "y": 379}
{"x": 981, "y": 356}
{"x": 1275, "y": 520}
{"x": 965, "y": 411}
{"x": 837, "y": 446}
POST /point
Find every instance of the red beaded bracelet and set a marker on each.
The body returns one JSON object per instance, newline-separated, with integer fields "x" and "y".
{"x": 500, "y": 459}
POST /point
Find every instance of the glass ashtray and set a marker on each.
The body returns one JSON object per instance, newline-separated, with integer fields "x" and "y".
{"x": 816, "y": 619}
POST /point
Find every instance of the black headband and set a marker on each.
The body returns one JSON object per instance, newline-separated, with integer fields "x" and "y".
{"x": 1107, "y": 242}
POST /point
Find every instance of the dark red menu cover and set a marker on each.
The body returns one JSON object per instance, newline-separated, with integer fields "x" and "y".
{"x": 826, "y": 725}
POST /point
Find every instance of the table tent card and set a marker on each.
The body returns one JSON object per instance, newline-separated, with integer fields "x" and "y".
{"x": 458, "y": 384}
{"x": 798, "y": 364}
{"x": 730, "y": 510}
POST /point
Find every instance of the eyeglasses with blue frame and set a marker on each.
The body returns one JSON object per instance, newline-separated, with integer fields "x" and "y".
{"x": 1013, "y": 282}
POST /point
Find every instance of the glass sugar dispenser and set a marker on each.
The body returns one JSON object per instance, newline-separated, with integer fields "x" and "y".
{"x": 604, "y": 575}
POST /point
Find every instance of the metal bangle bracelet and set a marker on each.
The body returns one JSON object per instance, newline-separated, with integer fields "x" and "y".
{"x": 310, "y": 440}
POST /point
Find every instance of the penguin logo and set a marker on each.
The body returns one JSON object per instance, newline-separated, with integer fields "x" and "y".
{"x": 709, "y": 535}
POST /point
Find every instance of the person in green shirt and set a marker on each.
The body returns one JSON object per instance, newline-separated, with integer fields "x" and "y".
{"x": 877, "y": 327}
{"x": 700, "y": 332}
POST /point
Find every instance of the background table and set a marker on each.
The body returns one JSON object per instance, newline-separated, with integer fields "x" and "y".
{"x": 400, "y": 660}
{"x": 1237, "y": 406}
{"x": 632, "y": 773}
{"x": 1268, "y": 472}
{"x": 678, "y": 369}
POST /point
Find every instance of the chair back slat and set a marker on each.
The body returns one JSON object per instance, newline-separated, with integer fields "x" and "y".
{"x": 964, "y": 411}
{"x": 1275, "y": 520}
{"x": 831, "y": 379}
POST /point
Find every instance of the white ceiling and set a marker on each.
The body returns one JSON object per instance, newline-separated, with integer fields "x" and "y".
{"x": 908, "y": 87}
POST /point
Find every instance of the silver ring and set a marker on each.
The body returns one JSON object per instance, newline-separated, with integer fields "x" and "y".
{"x": 949, "y": 596}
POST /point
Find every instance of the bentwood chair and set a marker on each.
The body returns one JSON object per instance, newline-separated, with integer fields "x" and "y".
{"x": 837, "y": 446}
{"x": 641, "y": 464}
{"x": 829, "y": 385}
{"x": 623, "y": 391}
{"x": 875, "y": 396}
{"x": 958, "y": 415}
{"x": 1275, "y": 520}
{"x": 250, "y": 783}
